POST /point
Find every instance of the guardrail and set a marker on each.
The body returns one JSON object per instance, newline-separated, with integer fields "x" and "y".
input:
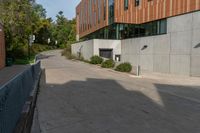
{"x": 18, "y": 100}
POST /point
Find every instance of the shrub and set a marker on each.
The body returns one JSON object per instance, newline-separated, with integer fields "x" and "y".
{"x": 124, "y": 67}
{"x": 37, "y": 48}
{"x": 67, "y": 52}
{"x": 71, "y": 57}
{"x": 96, "y": 60}
{"x": 108, "y": 64}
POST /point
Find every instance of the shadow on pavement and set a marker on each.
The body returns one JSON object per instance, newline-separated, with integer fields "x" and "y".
{"x": 105, "y": 106}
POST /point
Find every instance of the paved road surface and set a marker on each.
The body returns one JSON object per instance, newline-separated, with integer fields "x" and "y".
{"x": 80, "y": 98}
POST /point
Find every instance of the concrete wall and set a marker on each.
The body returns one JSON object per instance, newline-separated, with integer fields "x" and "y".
{"x": 176, "y": 52}
{"x": 86, "y": 48}
{"x": 91, "y": 47}
{"x": 2, "y": 48}
{"x": 107, "y": 44}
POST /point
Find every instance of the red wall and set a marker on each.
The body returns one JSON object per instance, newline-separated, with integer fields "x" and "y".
{"x": 2, "y": 48}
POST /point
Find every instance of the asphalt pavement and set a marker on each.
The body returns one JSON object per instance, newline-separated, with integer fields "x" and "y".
{"x": 76, "y": 97}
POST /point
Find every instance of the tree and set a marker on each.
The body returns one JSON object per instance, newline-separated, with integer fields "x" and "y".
{"x": 20, "y": 18}
{"x": 64, "y": 30}
{"x": 39, "y": 10}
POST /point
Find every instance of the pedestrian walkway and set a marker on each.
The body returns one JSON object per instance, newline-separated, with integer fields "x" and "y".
{"x": 7, "y": 73}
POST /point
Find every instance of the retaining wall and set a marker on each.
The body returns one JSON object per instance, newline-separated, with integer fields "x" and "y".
{"x": 17, "y": 100}
{"x": 91, "y": 47}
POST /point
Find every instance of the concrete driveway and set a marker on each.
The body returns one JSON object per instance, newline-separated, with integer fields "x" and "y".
{"x": 80, "y": 98}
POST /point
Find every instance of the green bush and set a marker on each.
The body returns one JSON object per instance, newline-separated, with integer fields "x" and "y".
{"x": 37, "y": 48}
{"x": 67, "y": 52}
{"x": 124, "y": 67}
{"x": 71, "y": 57}
{"x": 96, "y": 60}
{"x": 108, "y": 64}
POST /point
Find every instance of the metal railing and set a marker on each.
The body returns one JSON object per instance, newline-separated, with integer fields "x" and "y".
{"x": 17, "y": 98}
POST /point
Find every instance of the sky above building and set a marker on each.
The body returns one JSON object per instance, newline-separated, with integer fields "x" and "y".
{"x": 54, "y": 6}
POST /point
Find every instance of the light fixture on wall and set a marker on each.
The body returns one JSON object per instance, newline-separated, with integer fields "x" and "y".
{"x": 197, "y": 46}
{"x": 144, "y": 47}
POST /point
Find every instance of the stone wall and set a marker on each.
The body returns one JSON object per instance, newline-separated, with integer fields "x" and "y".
{"x": 2, "y": 48}
{"x": 177, "y": 52}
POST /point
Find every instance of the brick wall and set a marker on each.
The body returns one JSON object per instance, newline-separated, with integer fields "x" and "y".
{"x": 2, "y": 48}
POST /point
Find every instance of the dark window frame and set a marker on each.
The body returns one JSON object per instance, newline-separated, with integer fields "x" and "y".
{"x": 126, "y": 2}
{"x": 137, "y": 2}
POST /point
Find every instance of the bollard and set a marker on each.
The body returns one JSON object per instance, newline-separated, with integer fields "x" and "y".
{"x": 138, "y": 70}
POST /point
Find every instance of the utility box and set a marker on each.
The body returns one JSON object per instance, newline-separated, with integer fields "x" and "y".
{"x": 2, "y": 47}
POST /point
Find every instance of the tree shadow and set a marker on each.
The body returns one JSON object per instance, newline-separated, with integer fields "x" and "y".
{"x": 105, "y": 106}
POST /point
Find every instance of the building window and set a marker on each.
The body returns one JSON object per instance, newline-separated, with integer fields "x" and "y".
{"x": 137, "y": 2}
{"x": 99, "y": 11}
{"x": 106, "y": 53}
{"x": 105, "y": 3}
{"x": 124, "y": 31}
{"x": 163, "y": 27}
{"x": 126, "y": 4}
{"x": 111, "y": 11}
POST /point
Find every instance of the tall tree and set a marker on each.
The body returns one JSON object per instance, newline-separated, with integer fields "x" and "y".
{"x": 64, "y": 30}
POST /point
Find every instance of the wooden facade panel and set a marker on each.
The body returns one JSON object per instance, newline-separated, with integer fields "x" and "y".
{"x": 147, "y": 11}
{"x": 88, "y": 13}
{"x": 156, "y": 9}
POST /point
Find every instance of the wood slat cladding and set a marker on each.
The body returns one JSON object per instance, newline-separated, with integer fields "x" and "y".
{"x": 147, "y": 11}
{"x": 2, "y": 48}
{"x": 150, "y": 10}
{"x": 91, "y": 16}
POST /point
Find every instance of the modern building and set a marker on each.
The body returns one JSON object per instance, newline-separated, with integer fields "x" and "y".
{"x": 158, "y": 35}
{"x": 2, "y": 47}
{"x": 121, "y": 19}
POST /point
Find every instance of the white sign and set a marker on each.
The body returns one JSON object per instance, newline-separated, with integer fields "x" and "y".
{"x": 49, "y": 40}
{"x": 33, "y": 37}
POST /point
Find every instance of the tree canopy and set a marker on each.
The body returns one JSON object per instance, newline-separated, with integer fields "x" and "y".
{"x": 22, "y": 18}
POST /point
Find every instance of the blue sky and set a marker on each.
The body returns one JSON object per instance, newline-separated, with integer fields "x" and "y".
{"x": 54, "y": 6}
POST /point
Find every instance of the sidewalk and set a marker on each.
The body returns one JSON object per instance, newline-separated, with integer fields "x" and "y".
{"x": 8, "y": 73}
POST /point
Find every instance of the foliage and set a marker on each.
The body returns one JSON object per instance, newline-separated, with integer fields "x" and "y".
{"x": 19, "y": 20}
{"x": 124, "y": 67}
{"x": 64, "y": 30}
{"x": 24, "y": 61}
{"x": 19, "y": 56}
{"x": 67, "y": 52}
{"x": 108, "y": 64}
{"x": 22, "y": 18}
{"x": 37, "y": 48}
{"x": 96, "y": 60}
